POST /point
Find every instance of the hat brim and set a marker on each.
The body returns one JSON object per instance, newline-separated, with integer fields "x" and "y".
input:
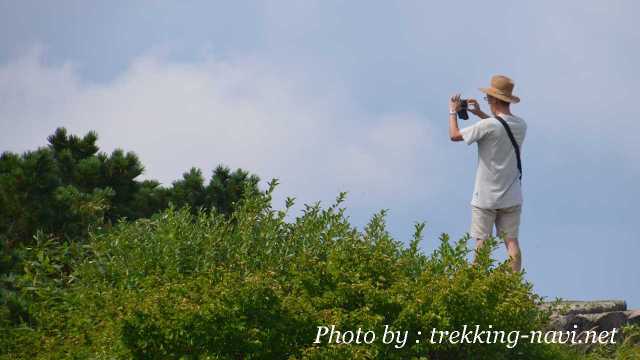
{"x": 491, "y": 91}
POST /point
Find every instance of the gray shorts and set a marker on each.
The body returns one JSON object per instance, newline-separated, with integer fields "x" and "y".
{"x": 507, "y": 222}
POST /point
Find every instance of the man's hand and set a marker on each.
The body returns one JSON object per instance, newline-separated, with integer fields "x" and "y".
{"x": 474, "y": 108}
{"x": 454, "y": 103}
{"x": 454, "y": 106}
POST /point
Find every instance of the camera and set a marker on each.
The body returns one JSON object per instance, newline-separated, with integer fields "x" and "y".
{"x": 462, "y": 113}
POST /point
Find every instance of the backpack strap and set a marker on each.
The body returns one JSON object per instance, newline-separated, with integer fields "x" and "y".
{"x": 513, "y": 142}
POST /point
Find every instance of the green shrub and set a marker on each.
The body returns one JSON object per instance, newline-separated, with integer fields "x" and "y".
{"x": 68, "y": 187}
{"x": 255, "y": 286}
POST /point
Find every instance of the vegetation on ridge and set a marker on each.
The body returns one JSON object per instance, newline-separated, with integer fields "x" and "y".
{"x": 190, "y": 283}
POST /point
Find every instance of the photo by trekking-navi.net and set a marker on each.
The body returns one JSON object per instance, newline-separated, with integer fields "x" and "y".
{"x": 319, "y": 180}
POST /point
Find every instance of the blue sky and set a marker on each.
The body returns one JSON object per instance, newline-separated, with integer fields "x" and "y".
{"x": 330, "y": 96}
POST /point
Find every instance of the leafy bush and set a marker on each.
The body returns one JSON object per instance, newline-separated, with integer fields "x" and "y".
{"x": 68, "y": 187}
{"x": 255, "y": 286}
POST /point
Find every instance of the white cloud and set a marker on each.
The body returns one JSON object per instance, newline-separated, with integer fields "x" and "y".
{"x": 243, "y": 114}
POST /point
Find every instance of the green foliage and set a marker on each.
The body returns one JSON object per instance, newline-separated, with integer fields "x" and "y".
{"x": 255, "y": 286}
{"x": 212, "y": 271}
{"x": 68, "y": 187}
{"x": 629, "y": 349}
{"x": 53, "y": 197}
{"x": 224, "y": 190}
{"x": 64, "y": 188}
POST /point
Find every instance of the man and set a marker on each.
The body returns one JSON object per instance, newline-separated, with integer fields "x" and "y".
{"x": 497, "y": 196}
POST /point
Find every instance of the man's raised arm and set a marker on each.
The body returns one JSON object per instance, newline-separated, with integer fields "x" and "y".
{"x": 454, "y": 130}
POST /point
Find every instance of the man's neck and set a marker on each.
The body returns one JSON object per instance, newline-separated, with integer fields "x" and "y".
{"x": 498, "y": 112}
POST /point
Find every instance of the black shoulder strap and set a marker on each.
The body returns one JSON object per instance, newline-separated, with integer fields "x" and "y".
{"x": 513, "y": 142}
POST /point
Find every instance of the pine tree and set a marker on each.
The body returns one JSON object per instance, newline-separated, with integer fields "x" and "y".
{"x": 68, "y": 187}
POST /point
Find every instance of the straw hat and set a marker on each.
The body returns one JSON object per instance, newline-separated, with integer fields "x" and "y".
{"x": 501, "y": 88}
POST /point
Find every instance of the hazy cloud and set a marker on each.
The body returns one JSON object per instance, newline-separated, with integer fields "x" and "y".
{"x": 243, "y": 114}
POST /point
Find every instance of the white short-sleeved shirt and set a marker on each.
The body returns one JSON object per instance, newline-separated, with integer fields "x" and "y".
{"x": 497, "y": 183}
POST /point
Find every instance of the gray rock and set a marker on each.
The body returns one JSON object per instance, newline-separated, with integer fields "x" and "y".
{"x": 583, "y": 316}
{"x": 607, "y": 321}
{"x": 588, "y": 307}
{"x": 558, "y": 322}
{"x": 579, "y": 323}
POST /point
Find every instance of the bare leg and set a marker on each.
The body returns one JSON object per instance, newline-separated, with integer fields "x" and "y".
{"x": 513, "y": 249}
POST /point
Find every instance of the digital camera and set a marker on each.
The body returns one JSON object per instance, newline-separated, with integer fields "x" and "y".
{"x": 462, "y": 113}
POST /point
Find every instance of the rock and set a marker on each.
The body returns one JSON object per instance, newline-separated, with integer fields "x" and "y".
{"x": 578, "y": 323}
{"x": 607, "y": 321}
{"x": 557, "y": 322}
{"x": 633, "y": 317}
{"x": 601, "y": 315}
{"x": 588, "y": 307}
{"x": 583, "y": 316}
